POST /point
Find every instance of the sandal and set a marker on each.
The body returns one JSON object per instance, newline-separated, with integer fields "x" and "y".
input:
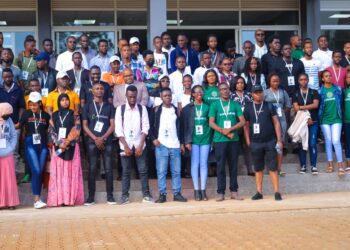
{"x": 341, "y": 171}
{"x": 330, "y": 169}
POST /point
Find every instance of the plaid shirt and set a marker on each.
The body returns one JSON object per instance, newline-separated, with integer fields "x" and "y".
{"x": 136, "y": 67}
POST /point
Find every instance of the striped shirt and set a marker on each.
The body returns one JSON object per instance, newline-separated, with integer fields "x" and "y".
{"x": 312, "y": 68}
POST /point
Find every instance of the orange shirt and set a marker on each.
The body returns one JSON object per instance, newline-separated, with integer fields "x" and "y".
{"x": 52, "y": 99}
{"x": 43, "y": 100}
{"x": 111, "y": 79}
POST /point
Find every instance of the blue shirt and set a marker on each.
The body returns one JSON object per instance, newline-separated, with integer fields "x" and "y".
{"x": 136, "y": 67}
{"x": 15, "y": 98}
{"x": 102, "y": 62}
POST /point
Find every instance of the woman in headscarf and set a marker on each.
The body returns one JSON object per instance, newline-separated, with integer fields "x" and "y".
{"x": 66, "y": 180}
{"x": 8, "y": 139}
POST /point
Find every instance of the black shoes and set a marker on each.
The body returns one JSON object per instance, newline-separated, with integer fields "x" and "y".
{"x": 178, "y": 197}
{"x": 204, "y": 195}
{"x": 89, "y": 201}
{"x": 161, "y": 199}
{"x": 278, "y": 196}
{"x": 302, "y": 169}
{"x": 197, "y": 195}
{"x": 257, "y": 196}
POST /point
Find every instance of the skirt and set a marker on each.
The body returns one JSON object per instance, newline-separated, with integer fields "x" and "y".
{"x": 8, "y": 185}
{"x": 66, "y": 186}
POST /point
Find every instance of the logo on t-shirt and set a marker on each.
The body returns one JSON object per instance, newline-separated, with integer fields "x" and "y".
{"x": 214, "y": 94}
{"x": 329, "y": 94}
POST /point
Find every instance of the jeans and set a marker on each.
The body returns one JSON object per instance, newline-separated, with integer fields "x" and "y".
{"x": 347, "y": 140}
{"x": 331, "y": 133}
{"x": 313, "y": 130}
{"x": 226, "y": 151}
{"x": 36, "y": 158}
{"x": 163, "y": 155}
{"x": 94, "y": 154}
{"x": 199, "y": 163}
{"x": 127, "y": 164}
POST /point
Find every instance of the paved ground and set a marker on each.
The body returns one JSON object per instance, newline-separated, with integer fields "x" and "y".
{"x": 312, "y": 221}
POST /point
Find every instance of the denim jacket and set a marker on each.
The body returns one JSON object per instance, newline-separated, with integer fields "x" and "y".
{"x": 338, "y": 99}
{"x": 10, "y": 135}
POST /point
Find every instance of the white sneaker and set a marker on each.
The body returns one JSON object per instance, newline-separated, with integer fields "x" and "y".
{"x": 39, "y": 204}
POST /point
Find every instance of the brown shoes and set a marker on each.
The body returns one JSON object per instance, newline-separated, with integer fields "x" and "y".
{"x": 220, "y": 197}
{"x": 236, "y": 196}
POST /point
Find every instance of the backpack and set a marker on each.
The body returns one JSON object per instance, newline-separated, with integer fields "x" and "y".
{"x": 139, "y": 106}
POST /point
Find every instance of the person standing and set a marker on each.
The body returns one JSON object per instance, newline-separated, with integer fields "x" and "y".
{"x": 270, "y": 59}
{"x": 134, "y": 43}
{"x": 347, "y": 121}
{"x": 323, "y": 54}
{"x": 167, "y": 48}
{"x": 216, "y": 56}
{"x": 295, "y": 42}
{"x": 36, "y": 123}
{"x": 252, "y": 73}
{"x": 185, "y": 97}
{"x": 165, "y": 135}
{"x": 239, "y": 63}
{"x": 47, "y": 45}
{"x": 200, "y": 71}
{"x": 261, "y": 132}
{"x": 196, "y": 134}
{"x": 345, "y": 62}
{"x": 114, "y": 77}
{"x": 129, "y": 62}
{"x": 78, "y": 75}
{"x": 6, "y": 60}
{"x": 160, "y": 59}
{"x": 210, "y": 87}
{"x": 338, "y": 72}
{"x": 330, "y": 117}
{"x": 8, "y": 140}
{"x": 98, "y": 123}
{"x": 230, "y": 51}
{"x": 85, "y": 48}
{"x": 121, "y": 43}
{"x": 177, "y": 76}
{"x": 226, "y": 118}
{"x": 260, "y": 46}
{"x": 102, "y": 58}
{"x": 226, "y": 74}
{"x": 131, "y": 127}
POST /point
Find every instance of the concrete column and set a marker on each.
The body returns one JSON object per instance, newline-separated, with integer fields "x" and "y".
{"x": 44, "y": 20}
{"x": 156, "y": 19}
{"x": 313, "y": 20}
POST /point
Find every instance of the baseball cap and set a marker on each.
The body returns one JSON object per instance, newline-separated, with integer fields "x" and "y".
{"x": 257, "y": 88}
{"x": 42, "y": 56}
{"x": 134, "y": 39}
{"x": 114, "y": 58}
{"x": 34, "y": 97}
{"x": 61, "y": 74}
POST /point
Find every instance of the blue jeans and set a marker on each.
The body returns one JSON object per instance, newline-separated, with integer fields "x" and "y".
{"x": 331, "y": 133}
{"x": 163, "y": 156}
{"x": 36, "y": 158}
{"x": 313, "y": 130}
{"x": 199, "y": 161}
{"x": 347, "y": 140}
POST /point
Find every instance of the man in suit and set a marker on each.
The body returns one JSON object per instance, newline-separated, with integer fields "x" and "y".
{"x": 77, "y": 74}
{"x": 119, "y": 97}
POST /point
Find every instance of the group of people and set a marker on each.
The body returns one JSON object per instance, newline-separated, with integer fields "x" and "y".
{"x": 170, "y": 107}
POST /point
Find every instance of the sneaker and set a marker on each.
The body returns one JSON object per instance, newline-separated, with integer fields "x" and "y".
{"x": 39, "y": 204}
{"x": 89, "y": 201}
{"x": 278, "y": 196}
{"x": 25, "y": 179}
{"x": 302, "y": 169}
{"x": 161, "y": 199}
{"x": 220, "y": 197}
{"x": 314, "y": 170}
{"x": 111, "y": 201}
{"x": 281, "y": 173}
{"x": 148, "y": 199}
{"x": 179, "y": 197}
{"x": 257, "y": 196}
{"x": 123, "y": 200}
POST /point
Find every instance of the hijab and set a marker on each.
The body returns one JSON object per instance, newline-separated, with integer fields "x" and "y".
{"x": 5, "y": 109}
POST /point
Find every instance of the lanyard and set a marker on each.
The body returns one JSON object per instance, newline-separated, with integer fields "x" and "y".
{"x": 337, "y": 77}
{"x": 98, "y": 112}
{"x": 241, "y": 99}
{"x": 347, "y": 59}
{"x": 252, "y": 79}
{"x": 289, "y": 66}
{"x": 36, "y": 125}
{"x": 228, "y": 108}
{"x": 257, "y": 113}
{"x": 64, "y": 118}
{"x": 77, "y": 77}
{"x": 2, "y": 134}
{"x": 45, "y": 78}
{"x": 198, "y": 113}
{"x": 30, "y": 61}
{"x": 276, "y": 97}
{"x": 302, "y": 96}
{"x": 215, "y": 55}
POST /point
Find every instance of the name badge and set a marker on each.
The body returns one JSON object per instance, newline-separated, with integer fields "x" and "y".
{"x": 45, "y": 92}
{"x": 25, "y": 75}
{"x": 62, "y": 133}
{"x": 291, "y": 81}
{"x": 3, "y": 143}
{"x": 256, "y": 128}
{"x": 227, "y": 124}
{"x": 36, "y": 139}
{"x": 279, "y": 112}
{"x": 98, "y": 127}
{"x": 242, "y": 108}
{"x": 199, "y": 129}
{"x": 77, "y": 90}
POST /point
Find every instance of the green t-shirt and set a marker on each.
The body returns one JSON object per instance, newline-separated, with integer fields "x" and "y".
{"x": 202, "y": 131}
{"x": 330, "y": 113}
{"x": 211, "y": 94}
{"x": 233, "y": 111}
{"x": 297, "y": 54}
{"x": 347, "y": 106}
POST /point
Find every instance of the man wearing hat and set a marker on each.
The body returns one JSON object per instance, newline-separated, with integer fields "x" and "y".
{"x": 78, "y": 75}
{"x": 261, "y": 131}
{"x": 113, "y": 77}
{"x": 44, "y": 74}
{"x": 62, "y": 87}
{"x": 135, "y": 50}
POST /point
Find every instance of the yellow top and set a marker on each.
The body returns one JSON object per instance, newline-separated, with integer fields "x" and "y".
{"x": 43, "y": 100}
{"x": 52, "y": 99}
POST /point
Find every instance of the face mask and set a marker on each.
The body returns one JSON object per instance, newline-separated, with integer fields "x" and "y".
{"x": 6, "y": 117}
{"x": 150, "y": 62}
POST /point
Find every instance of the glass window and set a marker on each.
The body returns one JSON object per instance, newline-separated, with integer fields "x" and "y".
{"x": 83, "y": 18}
{"x": 208, "y": 18}
{"x": 127, "y": 18}
{"x": 17, "y": 18}
{"x": 270, "y": 18}
{"x": 337, "y": 38}
{"x": 60, "y": 38}
{"x": 335, "y": 17}
{"x": 15, "y": 40}
{"x": 171, "y": 18}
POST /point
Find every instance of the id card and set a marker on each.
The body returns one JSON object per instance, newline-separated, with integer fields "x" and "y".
{"x": 77, "y": 90}
{"x": 256, "y": 128}
{"x": 291, "y": 81}
{"x": 62, "y": 133}
{"x": 3, "y": 143}
{"x": 279, "y": 112}
{"x": 25, "y": 75}
{"x": 227, "y": 124}
{"x": 199, "y": 129}
{"x": 98, "y": 127}
{"x": 36, "y": 139}
{"x": 45, "y": 92}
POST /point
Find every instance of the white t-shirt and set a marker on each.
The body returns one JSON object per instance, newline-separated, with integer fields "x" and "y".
{"x": 167, "y": 135}
{"x": 176, "y": 85}
{"x": 260, "y": 51}
{"x": 325, "y": 57}
{"x": 312, "y": 68}
{"x": 184, "y": 99}
{"x": 160, "y": 62}
{"x": 199, "y": 74}
{"x": 65, "y": 62}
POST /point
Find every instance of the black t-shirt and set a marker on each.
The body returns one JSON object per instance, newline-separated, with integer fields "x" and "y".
{"x": 265, "y": 121}
{"x": 28, "y": 121}
{"x": 312, "y": 95}
{"x": 90, "y": 114}
{"x": 86, "y": 92}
